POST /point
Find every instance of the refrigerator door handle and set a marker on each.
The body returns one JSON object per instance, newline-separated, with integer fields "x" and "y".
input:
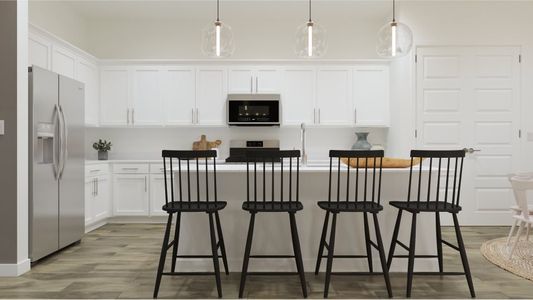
{"x": 55, "y": 154}
{"x": 64, "y": 142}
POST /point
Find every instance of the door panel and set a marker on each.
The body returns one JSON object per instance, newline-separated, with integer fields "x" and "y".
{"x": 147, "y": 99}
{"x": 88, "y": 74}
{"x": 334, "y": 96}
{"x": 371, "y": 95}
{"x": 267, "y": 80}
{"x": 101, "y": 205}
{"x": 298, "y": 98}
{"x": 179, "y": 95}
{"x": 130, "y": 194}
{"x": 211, "y": 94}
{"x": 470, "y": 97}
{"x": 115, "y": 94}
{"x": 241, "y": 80}
{"x": 39, "y": 51}
{"x": 63, "y": 62}
{"x": 89, "y": 199}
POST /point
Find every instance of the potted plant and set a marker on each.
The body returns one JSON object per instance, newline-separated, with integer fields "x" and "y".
{"x": 102, "y": 147}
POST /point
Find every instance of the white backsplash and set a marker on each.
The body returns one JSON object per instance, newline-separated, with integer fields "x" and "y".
{"x": 147, "y": 143}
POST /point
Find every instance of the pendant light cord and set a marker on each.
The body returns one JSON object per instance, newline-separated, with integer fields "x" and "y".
{"x": 393, "y": 10}
{"x": 310, "y": 11}
{"x": 218, "y": 11}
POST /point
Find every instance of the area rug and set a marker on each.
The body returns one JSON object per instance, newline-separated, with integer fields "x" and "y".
{"x": 497, "y": 252}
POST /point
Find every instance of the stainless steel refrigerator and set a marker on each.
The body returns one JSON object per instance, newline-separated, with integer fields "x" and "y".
{"x": 56, "y": 162}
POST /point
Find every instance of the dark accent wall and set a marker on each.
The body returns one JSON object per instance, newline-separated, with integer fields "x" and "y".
{"x": 8, "y": 142}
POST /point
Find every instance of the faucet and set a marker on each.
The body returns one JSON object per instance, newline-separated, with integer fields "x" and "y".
{"x": 302, "y": 139}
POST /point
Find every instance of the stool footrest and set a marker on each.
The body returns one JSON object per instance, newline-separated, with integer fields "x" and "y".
{"x": 271, "y": 256}
{"x": 271, "y": 273}
{"x": 197, "y": 256}
{"x": 438, "y": 273}
{"x": 450, "y": 245}
{"x": 417, "y": 256}
{"x": 356, "y": 273}
{"x": 402, "y": 245}
{"x": 188, "y": 273}
{"x": 170, "y": 245}
{"x": 346, "y": 256}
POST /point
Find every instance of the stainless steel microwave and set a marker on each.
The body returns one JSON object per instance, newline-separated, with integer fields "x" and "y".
{"x": 254, "y": 110}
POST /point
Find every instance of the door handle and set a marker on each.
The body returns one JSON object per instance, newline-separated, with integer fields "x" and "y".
{"x": 355, "y": 116}
{"x": 133, "y": 116}
{"x": 197, "y": 119}
{"x": 55, "y": 154}
{"x": 192, "y": 116}
{"x": 471, "y": 150}
{"x": 128, "y": 116}
{"x": 251, "y": 84}
{"x": 319, "y": 119}
{"x": 64, "y": 142}
{"x": 97, "y": 186}
{"x": 256, "y": 84}
{"x": 145, "y": 184}
{"x": 94, "y": 186}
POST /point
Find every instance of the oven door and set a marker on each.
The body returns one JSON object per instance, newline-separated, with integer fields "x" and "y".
{"x": 253, "y": 113}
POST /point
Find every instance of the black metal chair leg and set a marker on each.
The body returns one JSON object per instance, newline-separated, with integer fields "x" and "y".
{"x": 163, "y": 256}
{"x": 382, "y": 255}
{"x": 331, "y": 248}
{"x": 298, "y": 253}
{"x": 222, "y": 245}
{"x": 394, "y": 239}
{"x": 176, "y": 241}
{"x": 247, "y": 254}
{"x": 322, "y": 243}
{"x": 411, "y": 263}
{"x": 439, "y": 241}
{"x": 368, "y": 246}
{"x": 214, "y": 250}
{"x": 464, "y": 259}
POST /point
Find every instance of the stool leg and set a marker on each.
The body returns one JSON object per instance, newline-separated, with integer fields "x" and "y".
{"x": 439, "y": 241}
{"x": 322, "y": 243}
{"x": 247, "y": 254}
{"x": 222, "y": 245}
{"x": 518, "y": 234}
{"x": 163, "y": 255}
{"x": 331, "y": 249}
{"x": 411, "y": 263}
{"x": 367, "y": 242}
{"x": 464, "y": 259}
{"x": 297, "y": 252}
{"x": 176, "y": 241}
{"x": 511, "y": 232}
{"x": 394, "y": 238}
{"x": 527, "y": 231}
{"x": 214, "y": 250}
{"x": 382, "y": 255}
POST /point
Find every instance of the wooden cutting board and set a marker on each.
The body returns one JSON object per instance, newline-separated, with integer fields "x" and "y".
{"x": 388, "y": 162}
{"x": 204, "y": 144}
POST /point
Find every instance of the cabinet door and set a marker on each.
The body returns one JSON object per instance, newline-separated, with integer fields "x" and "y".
{"x": 63, "y": 61}
{"x": 267, "y": 80}
{"x": 87, "y": 73}
{"x": 371, "y": 95}
{"x": 130, "y": 194}
{"x": 211, "y": 93}
{"x": 102, "y": 201}
{"x": 39, "y": 51}
{"x": 298, "y": 96}
{"x": 334, "y": 96}
{"x": 241, "y": 80}
{"x": 89, "y": 199}
{"x": 147, "y": 107}
{"x": 157, "y": 194}
{"x": 114, "y": 96}
{"x": 179, "y": 95}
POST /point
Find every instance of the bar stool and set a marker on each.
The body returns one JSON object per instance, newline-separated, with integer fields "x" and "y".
{"x": 454, "y": 163}
{"x": 516, "y": 209}
{"x": 369, "y": 203}
{"x": 202, "y": 203}
{"x": 521, "y": 184}
{"x": 267, "y": 159}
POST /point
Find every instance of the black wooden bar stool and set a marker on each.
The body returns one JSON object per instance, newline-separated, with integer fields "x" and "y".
{"x": 186, "y": 203}
{"x": 267, "y": 160}
{"x": 367, "y": 203}
{"x": 452, "y": 162}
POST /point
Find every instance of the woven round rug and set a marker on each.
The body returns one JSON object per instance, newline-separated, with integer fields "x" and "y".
{"x": 497, "y": 252}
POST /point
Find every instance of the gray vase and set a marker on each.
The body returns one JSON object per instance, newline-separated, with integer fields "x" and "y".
{"x": 362, "y": 142}
{"x": 102, "y": 155}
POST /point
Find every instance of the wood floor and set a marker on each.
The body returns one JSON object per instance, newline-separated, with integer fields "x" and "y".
{"x": 119, "y": 261}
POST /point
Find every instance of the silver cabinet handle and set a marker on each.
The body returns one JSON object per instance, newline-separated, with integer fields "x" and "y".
{"x": 256, "y": 84}
{"x": 471, "y": 150}
{"x": 251, "y": 84}
{"x": 145, "y": 184}
{"x": 197, "y": 118}
{"x": 94, "y": 186}
{"x": 130, "y": 169}
{"x": 97, "y": 186}
{"x": 192, "y": 116}
{"x": 94, "y": 171}
{"x": 314, "y": 115}
{"x": 355, "y": 116}
{"x": 133, "y": 116}
{"x": 319, "y": 119}
{"x": 128, "y": 116}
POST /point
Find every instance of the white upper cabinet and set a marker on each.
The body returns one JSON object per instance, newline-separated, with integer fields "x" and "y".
{"x": 298, "y": 95}
{"x": 334, "y": 96}
{"x": 371, "y": 95}
{"x": 267, "y": 80}
{"x": 264, "y": 79}
{"x": 63, "y": 61}
{"x": 211, "y": 93}
{"x": 178, "y": 86}
{"x": 87, "y": 73}
{"x": 241, "y": 80}
{"x": 114, "y": 96}
{"x": 39, "y": 51}
{"x": 147, "y": 101}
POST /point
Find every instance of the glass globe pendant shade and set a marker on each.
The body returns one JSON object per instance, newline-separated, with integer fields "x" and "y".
{"x": 217, "y": 40}
{"x": 395, "y": 39}
{"x": 310, "y": 40}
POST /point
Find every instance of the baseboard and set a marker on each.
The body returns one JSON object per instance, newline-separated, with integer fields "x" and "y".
{"x": 93, "y": 226}
{"x": 14, "y": 270}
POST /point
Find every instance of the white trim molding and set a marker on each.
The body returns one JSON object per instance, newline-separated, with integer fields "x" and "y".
{"x": 14, "y": 270}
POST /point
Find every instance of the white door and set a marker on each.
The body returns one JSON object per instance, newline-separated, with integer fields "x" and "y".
{"x": 63, "y": 61}
{"x": 298, "y": 95}
{"x": 39, "y": 51}
{"x": 130, "y": 194}
{"x": 334, "y": 96}
{"x": 114, "y": 96}
{"x": 267, "y": 80}
{"x": 469, "y": 97}
{"x": 90, "y": 188}
{"x": 87, "y": 73}
{"x": 241, "y": 80}
{"x": 147, "y": 106}
{"x": 371, "y": 95}
{"x": 102, "y": 201}
{"x": 157, "y": 194}
{"x": 211, "y": 93}
{"x": 179, "y": 95}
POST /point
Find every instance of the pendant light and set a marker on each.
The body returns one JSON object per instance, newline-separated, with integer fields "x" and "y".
{"x": 217, "y": 38}
{"x": 395, "y": 39}
{"x": 310, "y": 38}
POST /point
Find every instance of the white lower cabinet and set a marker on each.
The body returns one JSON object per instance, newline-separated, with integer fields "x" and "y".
{"x": 97, "y": 199}
{"x": 130, "y": 194}
{"x": 157, "y": 194}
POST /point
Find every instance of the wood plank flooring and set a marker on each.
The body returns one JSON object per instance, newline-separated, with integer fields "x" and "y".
{"x": 119, "y": 261}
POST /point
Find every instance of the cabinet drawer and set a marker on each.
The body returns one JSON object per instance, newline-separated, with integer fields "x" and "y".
{"x": 157, "y": 168}
{"x": 96, "y": 170}
{"x": 130, "y": 168}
